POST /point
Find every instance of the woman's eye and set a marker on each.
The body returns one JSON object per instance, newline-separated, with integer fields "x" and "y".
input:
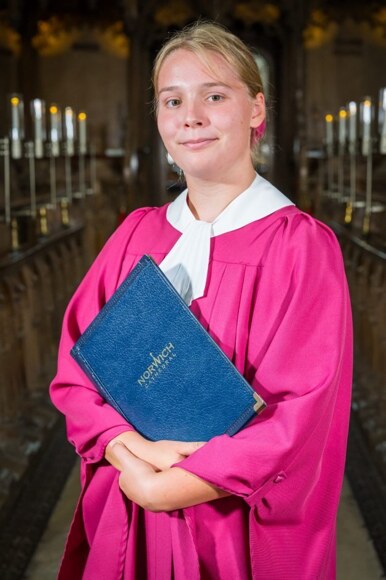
{"x": 171, "y": 103}
{"x": 215, "y": 98}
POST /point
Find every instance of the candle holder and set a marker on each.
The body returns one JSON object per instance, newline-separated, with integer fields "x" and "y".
{"x": 329, "y": 146}
{"x": 82, "y": 150}
{"x": 370, "y": 144}
{"x": 30, "y": 155}
{"x": 5, "y": 223}
{"x": 382, "y": 121}
{"x": 46, "y": 151}
{"x": 53, "y": 149}
{"x": 352, "y": 147}
{"x": 67, "y": 172}
{"x": 15, "y": 238}
{"x": 366, "y": 118}
{"x": 69, "y": 149}
{"x": 4, "y": 153}
{"x": 93, "y": 169}
{"x": 64, "y": 212}
{"x": 342, "y": 135}
{"x": 82, "y": 176}
{"x": 43, "y": 221}
{"x": 52, "y": 159}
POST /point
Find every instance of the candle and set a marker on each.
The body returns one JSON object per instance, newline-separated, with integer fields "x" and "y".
{"x": 352, "y": 139}
{"x": 352, "y": 125}
{"x": 38, "y": 111}
{"x": 55, "y": 130}
{"x": 329, "y": 132}
{"x": 69, "y": 130}
{"x": 365, "y": 118}
{"x": 82, "y": 119}
{"x": 17, "y": 125}
{"x": 342, "y": 126}
{"x": 382, "y": 120}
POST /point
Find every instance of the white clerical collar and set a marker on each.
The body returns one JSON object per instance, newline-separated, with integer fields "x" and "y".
{"x": 186, "y": 265}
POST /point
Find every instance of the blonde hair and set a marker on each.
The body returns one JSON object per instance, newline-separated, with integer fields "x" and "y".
{"x": 203, "y": 37}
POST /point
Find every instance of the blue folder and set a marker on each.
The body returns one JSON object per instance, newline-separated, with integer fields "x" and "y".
{"x": 152, "y": 360}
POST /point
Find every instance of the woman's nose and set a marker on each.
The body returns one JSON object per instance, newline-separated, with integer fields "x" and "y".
{"x": 194, "y": 116}
{"x": 192, "y": 121}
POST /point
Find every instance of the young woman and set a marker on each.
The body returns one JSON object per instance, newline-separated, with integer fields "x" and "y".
{"x": 267, "y": 282}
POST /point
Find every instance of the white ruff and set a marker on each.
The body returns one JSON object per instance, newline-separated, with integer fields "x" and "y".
{"x": 186, "y": 265}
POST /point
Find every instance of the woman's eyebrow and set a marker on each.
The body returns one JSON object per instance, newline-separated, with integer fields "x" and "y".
{"x": 204, "y": 85}
{"x": 216, "y": 84}
{"x": 166, "y": 89}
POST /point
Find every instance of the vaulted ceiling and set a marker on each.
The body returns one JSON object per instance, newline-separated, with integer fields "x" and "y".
{"x": 160, "y": 14}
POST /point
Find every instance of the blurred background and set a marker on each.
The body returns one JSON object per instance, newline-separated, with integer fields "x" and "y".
{"x": 79, "y": 149}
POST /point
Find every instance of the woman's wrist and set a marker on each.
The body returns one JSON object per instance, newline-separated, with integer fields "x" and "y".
{"x": 137, "y": 476}
{"x": 161, "y": 455}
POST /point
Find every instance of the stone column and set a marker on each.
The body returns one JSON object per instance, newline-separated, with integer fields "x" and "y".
{"x": 141, "y": 159}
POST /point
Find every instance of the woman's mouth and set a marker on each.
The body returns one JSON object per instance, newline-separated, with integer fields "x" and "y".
{"x": 198, "y": 143}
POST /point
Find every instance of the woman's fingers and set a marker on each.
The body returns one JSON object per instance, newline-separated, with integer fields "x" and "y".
{"x": 120, "y": 455}
{"x": 189, "y": 447}
{"x": 164, "y": 454}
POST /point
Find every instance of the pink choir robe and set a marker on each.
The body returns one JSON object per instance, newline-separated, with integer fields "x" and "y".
{"x": 276, "y": 301}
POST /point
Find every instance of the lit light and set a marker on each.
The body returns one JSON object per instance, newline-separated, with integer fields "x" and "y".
{"x": 352, "y": 127}
{"x": 329, "y": 118}
{"x": 366, "y": 111}
{"x": 15, "y": 101}
{"x": 365, "y": 116}
{"x": 82, "y": 116}
{"x": 342, "y": 125}
{"x": 69, "y": 129}
{"x": 352, "y": 107}
{"x": 53, "y": 109}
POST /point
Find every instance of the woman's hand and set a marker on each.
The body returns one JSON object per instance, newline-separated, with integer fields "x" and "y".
{"x": 136, "y": 475}
{"x": 166, "y": 490}
{"x": 163, "y": 454}
{"x": 159, "y": 454}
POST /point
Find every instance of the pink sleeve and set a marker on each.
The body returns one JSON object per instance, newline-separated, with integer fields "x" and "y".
{"x": 300, "y": 345}
{"x": 91, "y": 422}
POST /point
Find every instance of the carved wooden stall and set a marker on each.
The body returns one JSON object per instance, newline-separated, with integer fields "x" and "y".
{"x": 346, "y": 188}
{"x": 366, "y": 272}
{"x": 34, "y": 287}
{"x": 36, "y": 283}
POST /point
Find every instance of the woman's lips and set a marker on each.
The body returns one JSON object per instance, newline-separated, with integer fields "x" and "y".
{"x": 198, "y": 143}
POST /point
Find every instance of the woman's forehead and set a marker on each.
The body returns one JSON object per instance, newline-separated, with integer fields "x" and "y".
{"x": 209, "y": 62}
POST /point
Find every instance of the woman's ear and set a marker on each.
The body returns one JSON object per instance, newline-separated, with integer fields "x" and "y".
{"x": 258, "y": 111}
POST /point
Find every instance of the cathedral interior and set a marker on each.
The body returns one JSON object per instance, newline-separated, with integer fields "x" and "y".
{"x": 79, "y": 150}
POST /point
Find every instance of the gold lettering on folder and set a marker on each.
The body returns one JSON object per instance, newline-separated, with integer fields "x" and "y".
{"x": 158, "y": 363}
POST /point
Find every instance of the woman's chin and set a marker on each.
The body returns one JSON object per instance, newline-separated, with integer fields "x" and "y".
{"x": 202, "y": 171}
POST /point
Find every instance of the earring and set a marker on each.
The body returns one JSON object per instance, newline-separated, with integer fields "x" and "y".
{"x": 174, "y": 165}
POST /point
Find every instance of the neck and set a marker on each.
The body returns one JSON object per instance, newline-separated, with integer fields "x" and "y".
{"x": 207, "y": 199}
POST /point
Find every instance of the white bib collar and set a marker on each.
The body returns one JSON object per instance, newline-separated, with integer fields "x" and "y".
{"x": 186, "y": 265}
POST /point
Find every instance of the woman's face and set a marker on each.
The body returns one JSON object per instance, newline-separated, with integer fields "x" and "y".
{"x": 205, "y": 118}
